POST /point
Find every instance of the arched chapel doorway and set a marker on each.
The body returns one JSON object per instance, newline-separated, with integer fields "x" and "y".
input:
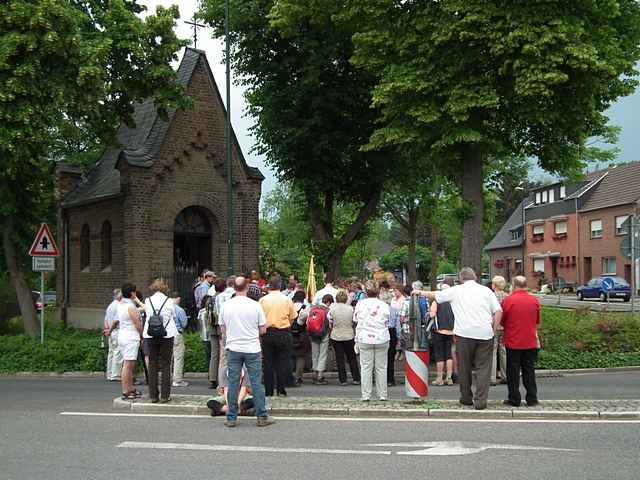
{"x": 192, "y": 239}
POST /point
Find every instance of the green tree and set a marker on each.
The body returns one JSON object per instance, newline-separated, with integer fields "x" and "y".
{"x": 69, "y": 73}
{"x": 475, "y": 79}
{"x": 312, "y": 109}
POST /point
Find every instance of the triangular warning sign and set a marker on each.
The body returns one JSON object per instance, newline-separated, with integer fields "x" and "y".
{"x": 44, "y": 245}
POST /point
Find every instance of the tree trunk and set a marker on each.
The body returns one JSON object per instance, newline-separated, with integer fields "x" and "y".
{"x": 433, "y": 273}
{"x": 366, "y": 212}
{"x": 12, "y": 256}
{"x": 472, "y": 231}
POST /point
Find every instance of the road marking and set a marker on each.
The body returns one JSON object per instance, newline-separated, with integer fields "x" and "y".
{"x": 461, "y": 448}
{"x": 245, "y": 448}
{"x": 365, "y": 419}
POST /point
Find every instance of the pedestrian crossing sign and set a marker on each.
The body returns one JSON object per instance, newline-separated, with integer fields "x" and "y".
{"x": 44, "y": 245}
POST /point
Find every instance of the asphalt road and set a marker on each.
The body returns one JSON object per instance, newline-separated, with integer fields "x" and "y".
{"x": 570, "y": 301}
{"x": 38, "y": 442}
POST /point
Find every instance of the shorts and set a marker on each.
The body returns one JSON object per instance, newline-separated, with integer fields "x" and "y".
{"x": 128, "y": 347}
{"x": 441, "y": 346}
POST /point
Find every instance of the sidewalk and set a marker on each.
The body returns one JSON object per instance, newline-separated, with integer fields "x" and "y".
{"x": 300, "y": 406}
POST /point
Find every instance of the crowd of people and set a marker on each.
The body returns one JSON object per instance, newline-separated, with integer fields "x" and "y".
{"x": 259, "y": 334}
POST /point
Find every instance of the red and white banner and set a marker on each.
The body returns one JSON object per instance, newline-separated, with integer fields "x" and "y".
{"x": 416, "y": 370}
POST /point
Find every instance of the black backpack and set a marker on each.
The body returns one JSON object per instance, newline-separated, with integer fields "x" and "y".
{"x": 296, "y": 328}
{"x": 156, "y": 328}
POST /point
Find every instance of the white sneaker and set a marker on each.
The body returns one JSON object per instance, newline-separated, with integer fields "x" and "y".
{"x": 181, "y": 383}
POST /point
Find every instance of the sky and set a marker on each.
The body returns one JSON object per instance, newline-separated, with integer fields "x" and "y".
{"x": 623, "y": 114}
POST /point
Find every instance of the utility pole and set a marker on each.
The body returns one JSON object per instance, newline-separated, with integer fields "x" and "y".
{"x": 227, "y": 126}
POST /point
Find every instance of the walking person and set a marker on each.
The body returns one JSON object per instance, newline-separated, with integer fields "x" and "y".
{"x": 243, "y": 321}
{"x": 317, "y": 325}
{"x": 477, "y": 314}
{"x": 342, "y": 338}
{"x": 372, "y": 341}
{"x": 301, "y": 345}
{"x": 159, "y": 332}
{"x": 110, "y": 330}
{"x": 442, "y": 338}
{"x": 277, "y": 343}
{"x": 520, "y": 319}
{"x": 178, "y": 342}
{"x": 130, "y": 328}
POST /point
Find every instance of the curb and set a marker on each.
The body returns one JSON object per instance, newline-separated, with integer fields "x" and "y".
{"x": 332, "y": 375}
{"x": 438, "y": 413}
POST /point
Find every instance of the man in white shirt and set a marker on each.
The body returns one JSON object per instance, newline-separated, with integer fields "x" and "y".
{"x": 114, "y": 358}
{"x": 328, "y": 289}
{"x": 243, "y": 321}
{"x": 477, "y": 314}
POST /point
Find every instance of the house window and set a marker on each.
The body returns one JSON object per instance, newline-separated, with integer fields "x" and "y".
{"x": 551, "y": 196}
{"x": 538, "y": 265}
{"x": 106, "y": 244}
{"x": 596, "y": 228}
{"x": 563, "y": 191}
{"x": 537, "y": 197}
{"x": 545, "y": 196}
{"x": 608, "y": 265}
{"x": 560, "y": 228}
{"x": 538, "y": 231}
{"x": 85, "y": 247}
{"x": 620, "y": 229}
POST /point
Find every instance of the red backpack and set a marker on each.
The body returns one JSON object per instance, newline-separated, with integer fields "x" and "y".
{"x": 317, "y": 322}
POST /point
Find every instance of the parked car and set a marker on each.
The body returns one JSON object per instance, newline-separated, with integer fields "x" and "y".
{"x": 38, "y": 303}
{"x": 594, "y": 289}
{"x": 441, "y": 278}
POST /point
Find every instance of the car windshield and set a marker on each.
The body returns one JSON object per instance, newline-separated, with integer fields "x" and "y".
{"x": 619, "y": 281}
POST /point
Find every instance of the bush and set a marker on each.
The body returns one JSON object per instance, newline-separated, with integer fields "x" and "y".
{"x": 580, "y": 339}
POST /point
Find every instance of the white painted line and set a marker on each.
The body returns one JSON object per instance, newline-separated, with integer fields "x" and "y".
{"x": 244, "y": 448}
{"x": 460, "y": 448}
{"x": 364, "y": 419}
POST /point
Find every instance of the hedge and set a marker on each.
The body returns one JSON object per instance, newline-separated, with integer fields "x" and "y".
{"x": 570, "y": 339}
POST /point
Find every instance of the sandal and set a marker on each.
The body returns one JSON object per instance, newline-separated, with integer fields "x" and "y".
{"x": 437, "y": 383}
{"x": 129, "y": 396}
{"x": 137, "y": 393}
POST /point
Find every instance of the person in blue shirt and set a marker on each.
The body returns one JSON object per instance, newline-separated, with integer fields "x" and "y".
{"x": 178, "y": 342}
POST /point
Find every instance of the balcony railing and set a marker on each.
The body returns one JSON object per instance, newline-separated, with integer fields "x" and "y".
{"x": 559, "y": 236}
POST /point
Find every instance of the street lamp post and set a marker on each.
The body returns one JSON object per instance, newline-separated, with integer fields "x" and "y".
{"x": 227, "y": 128}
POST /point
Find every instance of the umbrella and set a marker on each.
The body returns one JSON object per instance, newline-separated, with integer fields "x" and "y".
{"x": 311, "y": 281}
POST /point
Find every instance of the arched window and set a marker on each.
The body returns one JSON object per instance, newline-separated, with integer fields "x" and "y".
{"x": 85, "y": 247}
{"x": 106, "y": 244}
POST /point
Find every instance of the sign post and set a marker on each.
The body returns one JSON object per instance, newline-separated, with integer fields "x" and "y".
{"x": 44, "y": 252}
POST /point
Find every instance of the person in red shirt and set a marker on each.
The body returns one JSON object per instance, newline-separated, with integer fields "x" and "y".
{"x": 520, "y": 320}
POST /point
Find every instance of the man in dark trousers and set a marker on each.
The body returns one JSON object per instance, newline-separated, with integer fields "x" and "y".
{"x": 520, "y": 319}
{"x": 277, "y": 342}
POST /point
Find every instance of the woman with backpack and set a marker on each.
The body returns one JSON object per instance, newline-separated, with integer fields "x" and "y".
{"x": 317, "y": 323}
{"x": 372, "y": 341}
{"x": 341, "y": 336}
{"x": 301, "y": 346}
{"x": 159, "y": 332}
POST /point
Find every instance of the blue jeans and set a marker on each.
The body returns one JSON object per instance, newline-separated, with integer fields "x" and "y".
{"x": 253, "y": 364}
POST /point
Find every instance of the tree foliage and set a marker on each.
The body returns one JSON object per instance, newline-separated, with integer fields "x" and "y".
{"x": 69, "y": 73}
{"x": 312, "y": 108}
{"x": 470, "y": 79}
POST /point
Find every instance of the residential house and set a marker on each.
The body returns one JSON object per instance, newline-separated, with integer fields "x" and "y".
{"x": 602, "y": 222}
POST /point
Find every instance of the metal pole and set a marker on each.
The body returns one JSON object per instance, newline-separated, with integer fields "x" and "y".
{"x": 42, "y": 309}
{"x": 230, "y": 262}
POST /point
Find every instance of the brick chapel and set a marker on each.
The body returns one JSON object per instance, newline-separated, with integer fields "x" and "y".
{"x": 155, "y": 204}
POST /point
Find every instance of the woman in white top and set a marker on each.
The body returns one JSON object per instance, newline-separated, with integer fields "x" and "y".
{"x": 160, "y": 348}
{"x": 372, "y": 341}
{"x": 130, "y": 328}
